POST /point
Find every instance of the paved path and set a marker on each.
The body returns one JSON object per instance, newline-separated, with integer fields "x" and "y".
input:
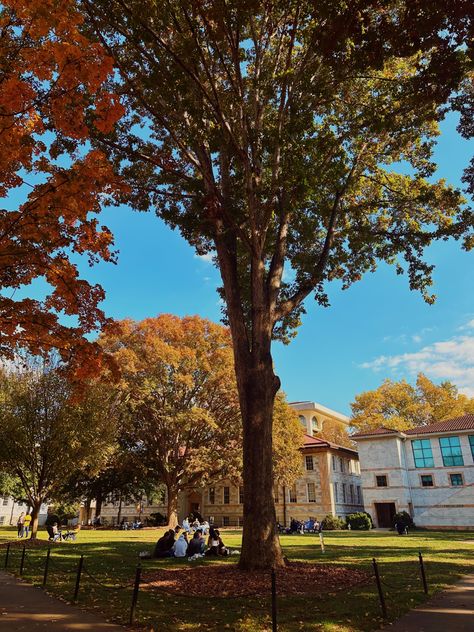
{"x": 449, "y": 611}
{"x": 26, "y": 607}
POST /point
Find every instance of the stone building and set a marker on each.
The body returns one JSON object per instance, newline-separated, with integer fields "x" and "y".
{"x": 427, "y": 471}
{"x": 10, "y": 511}
{"x": 330, "y": 481}
{"x": 330, "y": 484}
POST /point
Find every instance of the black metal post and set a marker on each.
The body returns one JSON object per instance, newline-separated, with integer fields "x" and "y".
{"x": 7, "y": 555}
{"x": 274, "y": 602}
{"x": 22, "y": 561}
{"x": 379, "y": 588}
{"x": 78, "y": 578}
{"x": 136, "y": 587}
{"x": 46, "y": 567}
{"x": 423, "y": 574}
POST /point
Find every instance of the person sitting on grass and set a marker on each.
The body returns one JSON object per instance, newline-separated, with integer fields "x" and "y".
{"x": 186, "y": 525}
{"x": 164, "y": 546}
{"x": 56, "y": 532}
{"x": 215, "y": 544}
{"x": 180, "y": 547}
{"x": 196, "y": 545}
{"x": 205, "y": 527}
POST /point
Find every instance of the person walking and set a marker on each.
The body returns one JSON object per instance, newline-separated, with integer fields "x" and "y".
{"x": 26, "y": 524}
{"x": 20, "y": 524}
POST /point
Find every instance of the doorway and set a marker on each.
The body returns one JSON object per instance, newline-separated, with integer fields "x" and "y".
{"x": 385, "y": 514}
{"x": 194, "y": 503}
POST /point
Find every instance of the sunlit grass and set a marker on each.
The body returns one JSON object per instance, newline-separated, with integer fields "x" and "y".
{"x": 112, "y": 557}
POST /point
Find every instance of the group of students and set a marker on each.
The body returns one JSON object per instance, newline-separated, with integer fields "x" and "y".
{"x": 184, "y": 546}
{"x": 23, "y": 524}
{"x": 125, "y": 525}
{"x": 296, "y": 526}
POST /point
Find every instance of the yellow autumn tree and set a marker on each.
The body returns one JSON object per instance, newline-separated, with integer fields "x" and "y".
{"x": 400, "y": 405}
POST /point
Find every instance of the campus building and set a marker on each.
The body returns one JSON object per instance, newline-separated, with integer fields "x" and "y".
{"x": 330, "y": 482}
{"x": 427, "y": 471}
{"x": 10, "y": 511}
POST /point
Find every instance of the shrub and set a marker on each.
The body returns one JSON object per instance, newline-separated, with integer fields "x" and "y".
{"x": 158, "y": 518}
{"x": 359, "y": 521}
{"x": 404, "y": 518}
{"x": 370, "y": 518}
{"x": 330, "y": 523}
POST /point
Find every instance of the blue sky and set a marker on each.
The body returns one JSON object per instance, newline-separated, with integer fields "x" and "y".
{"x": 376, "y": 329}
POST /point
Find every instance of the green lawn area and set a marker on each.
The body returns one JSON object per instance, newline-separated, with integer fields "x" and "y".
{"x": 112, "y": 556}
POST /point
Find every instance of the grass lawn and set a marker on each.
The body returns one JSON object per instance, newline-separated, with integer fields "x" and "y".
{"x": 112, "y": 557}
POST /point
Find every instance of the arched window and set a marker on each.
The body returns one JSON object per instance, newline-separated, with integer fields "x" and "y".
{"x": 315, "y": 425}
{"x": 302, "y": 418}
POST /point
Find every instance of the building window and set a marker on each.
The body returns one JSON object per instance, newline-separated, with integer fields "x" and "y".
{"x": 341, "y": 464}
{"x": 343, "y": 492}
{"x": 275, "y": 494}
{"x": 471, "y": 443}
{"x": 333, "y": 462}
{"x": 212, "y": 495}
{"x": 381, "y": 480}
{"x": 456, "y": 479}
{"x": 314, "y": 425}
{"x": 302, "y": 419}
{"x": 225, "y": 521}
{"x": 5, "y": 500}
{"x": 336, "y": 492}
{"x": 2, "y": 520}
{"x": 351, "y": 492}
{"x": 426, "y": 480}
{"x": 292, "y": 494}
{"x": 241, "y": 495}
{"x": 309, "y": 462}
{"x": 422, "y": 453}
{"x": 359, "y": 496}
{"x": 311, "y": 493}
{"x": 226, "y": 495}
{"x": 451, "y": 451}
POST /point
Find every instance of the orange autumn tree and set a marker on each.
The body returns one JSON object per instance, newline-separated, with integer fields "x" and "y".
{"x": 52, "y": 93}
{"x": 182, "y": 419}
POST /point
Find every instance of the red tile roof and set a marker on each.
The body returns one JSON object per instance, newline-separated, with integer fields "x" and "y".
{"x": 377, "y": 431}
{"x": 313, "y": 441}
{"x": 466, "y": 422}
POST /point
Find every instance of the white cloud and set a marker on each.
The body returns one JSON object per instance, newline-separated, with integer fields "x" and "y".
{"x": 207, "y": 257}
{"x": 468, "y": 325}
{"x": 451, "y": 359}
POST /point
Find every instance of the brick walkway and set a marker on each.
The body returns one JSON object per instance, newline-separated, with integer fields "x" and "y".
{"x": 26, "y": 607}
{"x": 449, "y": 611}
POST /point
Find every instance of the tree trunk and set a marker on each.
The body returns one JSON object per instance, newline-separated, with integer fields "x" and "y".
{"x": 98, "y": 505}
{"x": 87, "y": 507}
{"x": 260, "y": 542}
{"x": 119, "y": 514}
{"x": 34, "y": 517}
{"x": 172, "y": 493}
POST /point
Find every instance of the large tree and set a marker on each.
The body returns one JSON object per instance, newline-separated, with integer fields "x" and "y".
{"x": 51, "y": 94}
{"x": 184, "y": 423}
{"x": 270, "y": 133}
{"x": 46, "y": 430}
{"x": 401, "y": 405}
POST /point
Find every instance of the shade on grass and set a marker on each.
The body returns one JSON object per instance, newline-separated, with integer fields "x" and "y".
{"x": 112, "y": 556}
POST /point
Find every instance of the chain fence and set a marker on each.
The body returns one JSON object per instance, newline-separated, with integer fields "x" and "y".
{"x": 383, "y": 586}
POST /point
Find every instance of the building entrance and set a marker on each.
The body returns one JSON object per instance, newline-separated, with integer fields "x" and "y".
{"x": 194, "y": 503}
{"x": 385, "y": 514}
